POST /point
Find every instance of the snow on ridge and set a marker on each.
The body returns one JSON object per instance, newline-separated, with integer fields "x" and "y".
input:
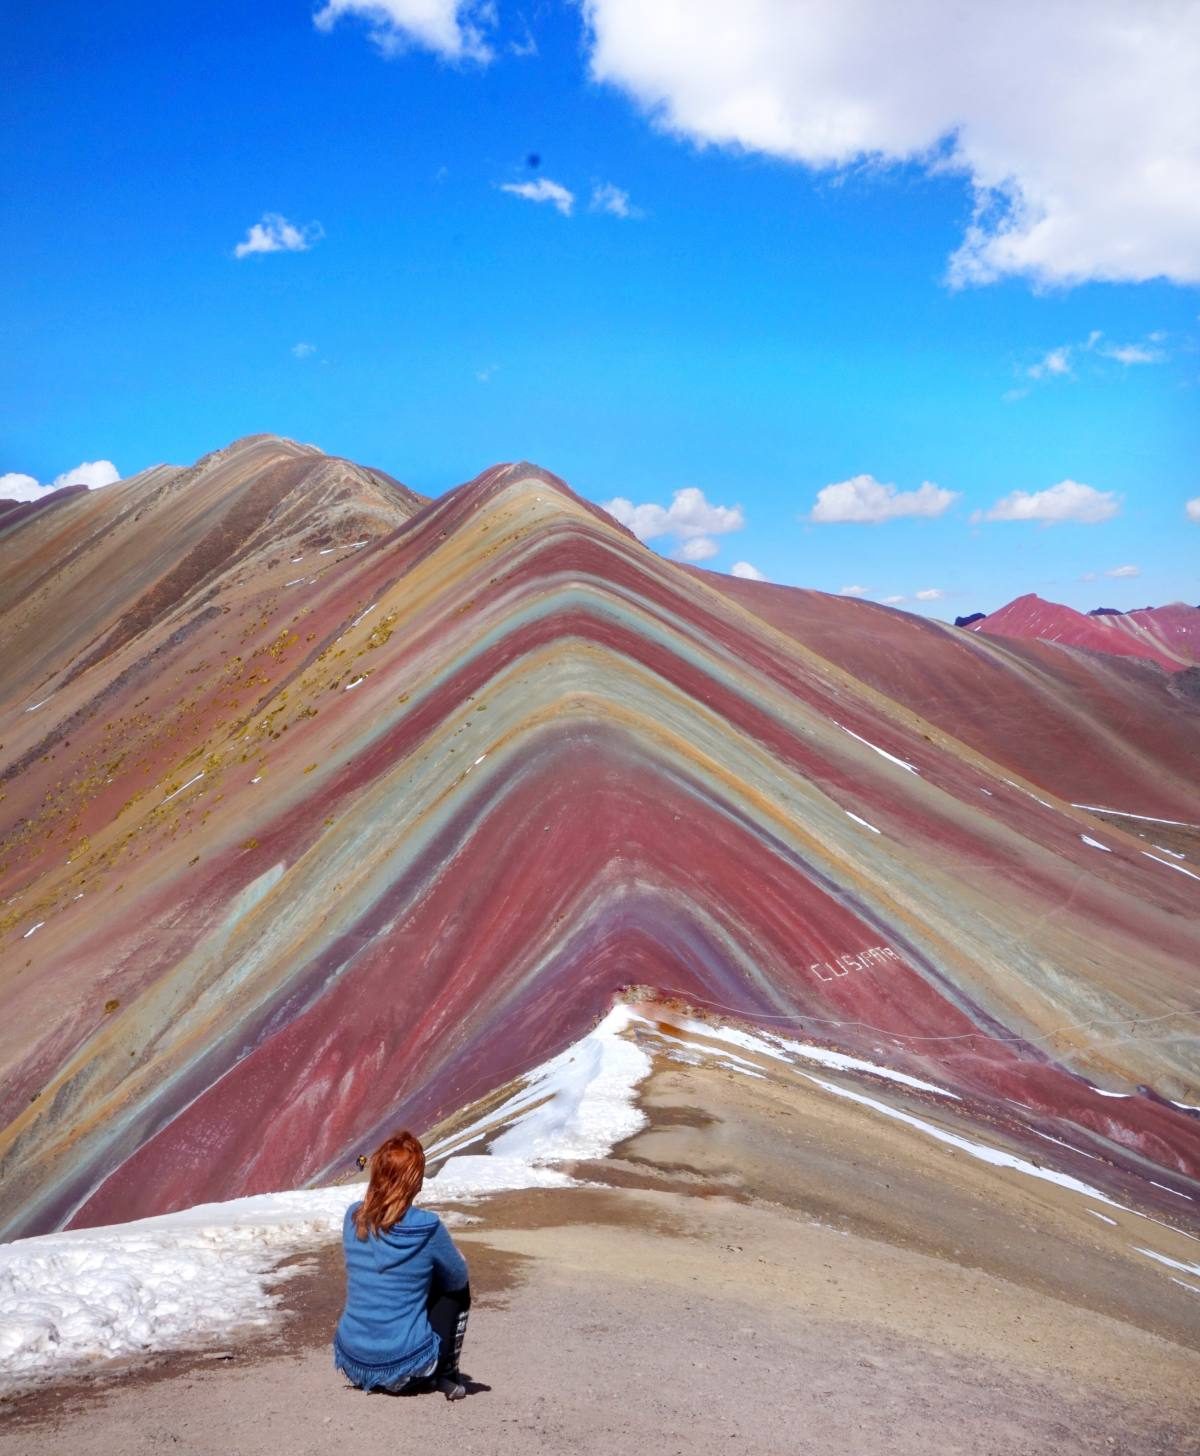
{"x": 781, "y": 1049}
{"x": 891, "y": 757}
{"x": 1122, "y": 814}
{"x": 77, "y": 1298}
{"x": 1170, "y": 866}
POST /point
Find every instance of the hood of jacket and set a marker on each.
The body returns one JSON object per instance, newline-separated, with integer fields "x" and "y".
{"x": 394, "y": 1246}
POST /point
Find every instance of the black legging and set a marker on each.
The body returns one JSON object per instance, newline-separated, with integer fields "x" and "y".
{"x": 447, "y": 1313}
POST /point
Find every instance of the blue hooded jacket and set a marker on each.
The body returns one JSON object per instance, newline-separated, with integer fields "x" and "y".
{"x": 383, "y": 1334}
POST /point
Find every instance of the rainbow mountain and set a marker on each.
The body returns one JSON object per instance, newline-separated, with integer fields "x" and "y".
{"x": 326, "y": 807}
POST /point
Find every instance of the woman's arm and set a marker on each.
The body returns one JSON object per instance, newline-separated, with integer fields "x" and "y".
{"x": 450, "y": 1265}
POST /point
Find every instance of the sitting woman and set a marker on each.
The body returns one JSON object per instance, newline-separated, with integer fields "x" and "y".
{"x": 407, "y": 1294}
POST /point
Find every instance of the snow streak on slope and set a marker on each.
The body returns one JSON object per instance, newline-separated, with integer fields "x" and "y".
{"x": 566, "y": 765}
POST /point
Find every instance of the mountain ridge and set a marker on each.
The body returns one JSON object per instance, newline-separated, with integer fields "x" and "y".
{"x": 370, "y": 840}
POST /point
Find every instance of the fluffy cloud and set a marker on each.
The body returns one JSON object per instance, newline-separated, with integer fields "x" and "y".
{"x": 865, "y": 500}
{"x": 615, "y": 200}
{"x": 1121, "y": 571}
{"x": 543, "y": 190}
{"x": 930, "y": 594}
{"x": 895, "y": 601}
{"x": 690, "y": 519}
{"x": 1076, "y": 128}
{"x": 17, "y": 487}
{"x": 303, "y": 350}
{"x": 855, "y": 591}
{"x": 1192, "y": 508}
{"x": 697, "y": 548}
{"x": 274, "y": 234}
{"x": 454, "y": 29}
{"x": 689, "y": 515}
{"x": 746, "y": 571}
{"x": 92, "y": 473}
{"x": 1067, "y": 501}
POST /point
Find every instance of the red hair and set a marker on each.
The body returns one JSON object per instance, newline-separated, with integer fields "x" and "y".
{"x": 397, "y": 1172}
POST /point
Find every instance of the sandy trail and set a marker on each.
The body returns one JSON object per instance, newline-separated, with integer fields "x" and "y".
{"x": 707, "y": 1301}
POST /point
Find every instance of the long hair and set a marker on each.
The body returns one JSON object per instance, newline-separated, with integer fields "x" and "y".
{"x": 397, "y": 1171}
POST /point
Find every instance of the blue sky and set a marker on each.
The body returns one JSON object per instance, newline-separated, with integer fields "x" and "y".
{"x": 765, "y": 324}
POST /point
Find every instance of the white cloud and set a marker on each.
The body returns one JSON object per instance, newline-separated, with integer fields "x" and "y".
{"x": 1057, "y": 361}
{"x": 1192, "y": 508}
{"x": 484, "y": 375}
{"x": 17, "y": 487}
{"x": 746, "y": 571}
{"x": 894, "y": 601}
{"x": 607, "y": 198}
{"x": 1076, "y": 127}
{"x": 1060, "y": 362}
{"x": 1067, "y": 501}
{"x": 930, "y": 594}
{"x": 1124, "y": 571}
{"x": 453, "y": 29}
{"x": 866, "y": 500}
{"x": 543, "y": 190}
{"x": 855, "y": 591}
{"x": 92, "y": 473}
{"x": 696, "y": 548}
{"x": 274, "y": 234}
{"x": 303, "y": 350}
{"x": 689, "y": 515}
{"x": 1133, "y": 354}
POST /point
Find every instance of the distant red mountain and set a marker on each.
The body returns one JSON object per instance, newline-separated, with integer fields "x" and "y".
{"x": 1167, "y": 635}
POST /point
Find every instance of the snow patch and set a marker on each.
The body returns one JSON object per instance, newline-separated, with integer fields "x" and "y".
{"x": 1095, "y": 843}
{"x": 573, "y": 1107}
{"x": 1184, "y": 1268}
{"x": 891, "y": 757}
{"x": 180, "y": 789}
{"x": 780, "y": 1049}
{"x": 985, "y": 1153}
{"x": 863, "y": 822}
{"x": 1121, "y": 814}
{"x": 1170, "y": 866}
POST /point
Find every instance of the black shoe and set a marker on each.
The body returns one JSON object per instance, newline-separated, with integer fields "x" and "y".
{"x": 451, "y": 1385}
